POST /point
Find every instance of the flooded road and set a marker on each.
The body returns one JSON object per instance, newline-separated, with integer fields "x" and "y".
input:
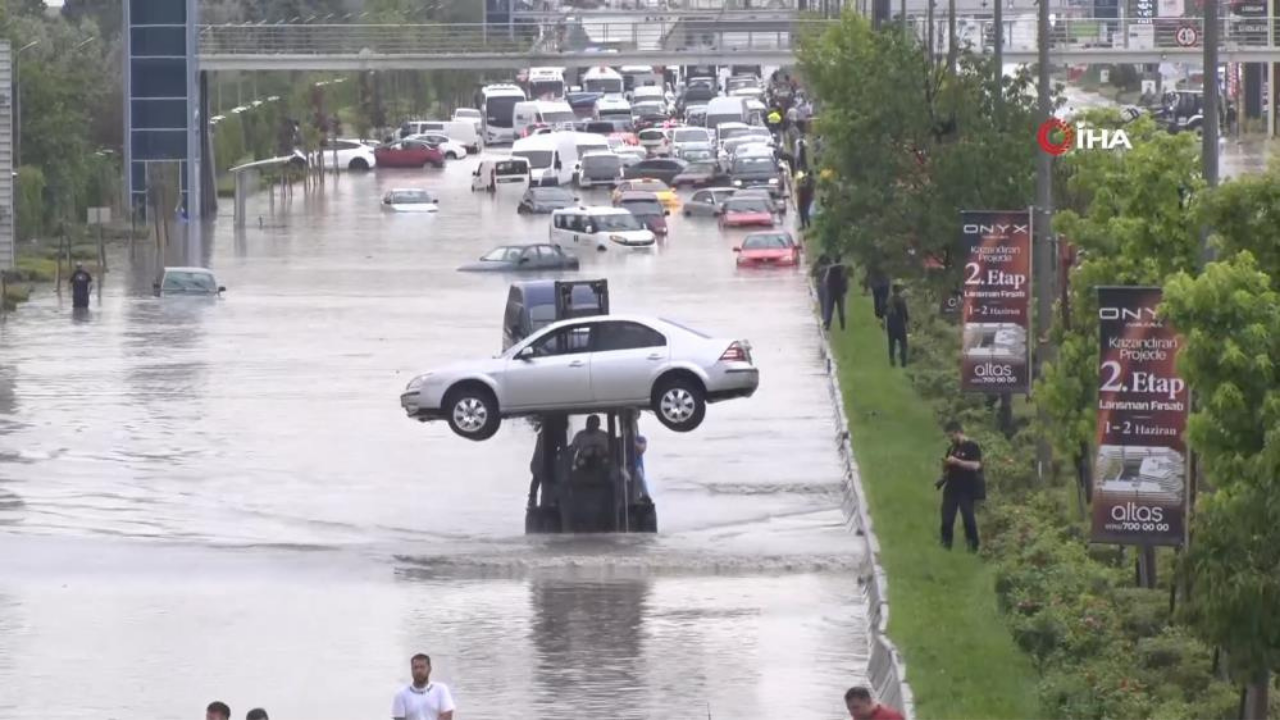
{"x": 221, "y": 499}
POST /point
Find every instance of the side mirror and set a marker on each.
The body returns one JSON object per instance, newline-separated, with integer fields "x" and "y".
{"x": 667, "y": 213}
{"x": 523, "y": 260}
{"x": 435, "y": 201}
{"x": 715, "y": 212}
{"x": 222, "y": 288}
{"x": 526, "y": 354}
{"x": 590, "y": 229}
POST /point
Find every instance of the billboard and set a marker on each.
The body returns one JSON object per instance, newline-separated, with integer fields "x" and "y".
{"x": 995, "y": 356}
{"x": 1140, "y": 469}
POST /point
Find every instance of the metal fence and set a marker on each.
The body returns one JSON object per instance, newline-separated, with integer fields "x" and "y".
{"x": 885, "y": 669}
{"x": 1083, "y": 33}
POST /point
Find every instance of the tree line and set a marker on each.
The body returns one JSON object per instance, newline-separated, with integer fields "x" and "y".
{"x": 908, "y": 142}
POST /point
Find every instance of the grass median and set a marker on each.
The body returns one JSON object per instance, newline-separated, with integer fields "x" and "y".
{"x": 961, "y": 660}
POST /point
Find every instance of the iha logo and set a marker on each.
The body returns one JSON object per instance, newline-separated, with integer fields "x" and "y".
{"x": 1057, "y": 137}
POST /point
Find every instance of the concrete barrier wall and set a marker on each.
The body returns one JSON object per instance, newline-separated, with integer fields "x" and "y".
{"x": 886, "y": 669}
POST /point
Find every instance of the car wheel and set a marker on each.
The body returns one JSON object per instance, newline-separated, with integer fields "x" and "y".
{"x": 358, "y": 164}
{"x": 452, "y": 156}
{"x": 472, "y": 411}
{"x": 680, "y": 403}
{"x": 520, "y": 209}
{"x": 438, "y": 166}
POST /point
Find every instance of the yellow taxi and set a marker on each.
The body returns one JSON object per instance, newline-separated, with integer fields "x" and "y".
{"x": 665, "y": 194}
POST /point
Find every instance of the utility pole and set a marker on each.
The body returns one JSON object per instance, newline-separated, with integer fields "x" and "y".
{"x": 1045, "y": 277}
{"x": 1209, "y": 141}
{"x": 952, "y": 49}
{"x": 999, "y": 51}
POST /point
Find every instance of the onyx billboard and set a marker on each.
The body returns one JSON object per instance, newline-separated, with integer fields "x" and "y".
{"x": 1140, "y": 469}
{"x": 995, "y": 302}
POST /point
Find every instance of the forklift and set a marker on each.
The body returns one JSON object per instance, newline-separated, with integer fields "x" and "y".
{"x": 594, "y": 494}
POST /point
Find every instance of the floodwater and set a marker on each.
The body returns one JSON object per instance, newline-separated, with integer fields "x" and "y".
{"x": 221, "y": 499}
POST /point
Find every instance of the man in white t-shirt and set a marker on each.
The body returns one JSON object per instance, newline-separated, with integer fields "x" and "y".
{"x": 423, "y": 699}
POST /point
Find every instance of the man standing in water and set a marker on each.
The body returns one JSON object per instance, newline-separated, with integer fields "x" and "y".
{"x": 422, "y": 699}
{"x": 81, "y": 281}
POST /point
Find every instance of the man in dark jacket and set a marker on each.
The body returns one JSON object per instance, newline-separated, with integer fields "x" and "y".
{"x": 804, "y": 198}
{"x": 961, "y": 485}
{"x": 836, "y": 280}
{"x": 878, "y": 282}
{"x": 81, "y": 281}
{"x": 895, "y": 325}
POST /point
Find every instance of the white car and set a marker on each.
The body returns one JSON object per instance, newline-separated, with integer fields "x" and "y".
{"x": 351, "y": 155}
{"x": 452, "y": 149}
{"x": 597, "y": 363}
{"x": 683, "y": 137}
{"x": 410, "y": 200}
{"x": 470, "y": 115}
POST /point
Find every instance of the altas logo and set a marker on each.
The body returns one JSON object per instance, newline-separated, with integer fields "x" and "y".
{"x": 1057, "y": 137}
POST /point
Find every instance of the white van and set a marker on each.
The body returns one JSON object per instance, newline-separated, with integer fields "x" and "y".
{"x": 462, "y": 132}
{"x": 547, "y": 162}
{"x": 576, "y": 144}
{"x": 612, "y": 108}
{"x": 649, "y": 93}
{"x": 600, "y": 168}
{"x": 726, "y": 110}
{"x": 493, "y": 172}
{"x": 600, "y": 226}
{"x": 557, "y": 114}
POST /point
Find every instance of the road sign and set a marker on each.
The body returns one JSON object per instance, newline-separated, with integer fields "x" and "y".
{"x": 1187, "y": 36}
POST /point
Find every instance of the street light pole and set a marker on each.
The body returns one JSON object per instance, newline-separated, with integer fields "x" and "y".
{"x": 17, "y": 106}
{"x": 1045, "y": 277}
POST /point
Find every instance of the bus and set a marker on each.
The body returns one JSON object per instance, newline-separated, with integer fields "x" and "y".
{"x": 546, "y": 83}
{"x": 497, "y": 103}
{"x": 602, "y": 80}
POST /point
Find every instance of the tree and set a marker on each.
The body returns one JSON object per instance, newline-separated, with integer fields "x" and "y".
{"x": 1244, "y": 215}
{"x": 1133, "y": 223}
{"x": 1230, "y": 318}
{"x": 909, "y": 145}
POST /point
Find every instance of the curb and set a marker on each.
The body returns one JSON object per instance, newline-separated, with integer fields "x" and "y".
{"x": 886, "y": 669}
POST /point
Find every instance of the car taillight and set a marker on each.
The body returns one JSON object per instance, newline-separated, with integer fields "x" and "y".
{"x": 736, "y": 353}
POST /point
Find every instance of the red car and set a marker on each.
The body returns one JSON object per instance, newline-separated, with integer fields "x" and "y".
{"x": 767, "y": 249}
{"x": 408, "y": 154}
{"x": 746, "y": 212}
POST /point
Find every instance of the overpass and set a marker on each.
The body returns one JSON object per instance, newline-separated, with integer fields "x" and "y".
{"x": 688, "y": 40}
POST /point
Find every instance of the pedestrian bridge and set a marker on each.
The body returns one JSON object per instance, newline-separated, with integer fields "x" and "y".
{"x": 688, "y": 39}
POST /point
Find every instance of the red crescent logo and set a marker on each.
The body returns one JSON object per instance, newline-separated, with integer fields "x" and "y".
{"x": 1051, "y": 127}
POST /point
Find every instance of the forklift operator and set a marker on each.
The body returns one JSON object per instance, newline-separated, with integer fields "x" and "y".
{"x": 591, "y": 443}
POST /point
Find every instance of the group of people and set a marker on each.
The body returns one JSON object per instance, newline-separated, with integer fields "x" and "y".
{"x": 219, "y": 710}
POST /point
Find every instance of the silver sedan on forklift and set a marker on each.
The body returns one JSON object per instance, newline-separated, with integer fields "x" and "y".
{"x": 603, "y": 362}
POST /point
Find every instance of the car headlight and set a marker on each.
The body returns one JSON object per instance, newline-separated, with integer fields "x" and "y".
{"x": 617, "y": 238}
{"x": 418, "y": 382}
{"x": 737, "y": 183}
{"x": 773, "y": 181}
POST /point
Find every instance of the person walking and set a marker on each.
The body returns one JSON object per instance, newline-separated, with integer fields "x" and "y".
{"x": 836, "y": 280}
{"x": 895, "y": 325}
{"x": 878, "y": 282}
{"x": 857, "y": 700}
{"x": 819, "y": 280}
{"x": 804, "y": 198}
{"x": 961, "y": 485}
{"x": 81, "y": 282}
{"x": 422, "y": 699}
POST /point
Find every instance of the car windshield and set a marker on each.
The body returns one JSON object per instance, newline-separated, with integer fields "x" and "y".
{"x": 700, "y": 168}
{"x": 181, "y": 281}
{"x": 643, "y": 207}
{"x": 410, "y": 197}
{"x": 753, "y": 165}
{"x": 559, "y": 117}
{"x": 727, "y": 133}
{"x": 766, "y": 242}
{"x": 536, "y": 158}
{"x": 648, "y": 108}
{"x": 552, "y": 194}
{"x": 466, "y": 113}
{"x": 602, "y": 163}
{"x": 691, "y": 135}
{"x": 652, "y": 134}
{"x": 506, "y": 167}
{"x": 503, "y": 254}
{"x": 616, "y": 222}
{"x": 746, "y": 205}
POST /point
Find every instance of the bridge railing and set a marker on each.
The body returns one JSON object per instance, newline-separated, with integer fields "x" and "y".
{"x": 1084, "y": 33}
{"x": 474, "y": 39}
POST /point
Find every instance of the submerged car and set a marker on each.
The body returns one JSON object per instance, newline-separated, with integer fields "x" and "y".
{"x": 697, "y": 174}
{"x": 746, "y": 212}
{"x": 545, "y": 199}
{"x": 764, "y": 249}
{"x": 188, "y": 281}
{"x": 708, "y": 202}
{"x": 604, "y": 362}
{"x": 408, "y": 154}
{"x": 410, "y": 200}
{"x": 520, "y": 258}
{"x": 646, "y": 208}
{"x": 665, "y": 194}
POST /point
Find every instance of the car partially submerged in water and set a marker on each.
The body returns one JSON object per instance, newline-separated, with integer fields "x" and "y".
{"x": 196, "y": 281}
{"x": 415, "y": 200}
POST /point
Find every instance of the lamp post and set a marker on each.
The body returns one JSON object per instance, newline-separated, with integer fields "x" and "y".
{"x": 17, "y": 106}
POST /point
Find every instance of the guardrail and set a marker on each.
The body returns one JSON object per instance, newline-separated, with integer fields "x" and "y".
{"x": 458, "y": 40}
{"x": 886, "y": 670}
{"x": 1082, "y": 33}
